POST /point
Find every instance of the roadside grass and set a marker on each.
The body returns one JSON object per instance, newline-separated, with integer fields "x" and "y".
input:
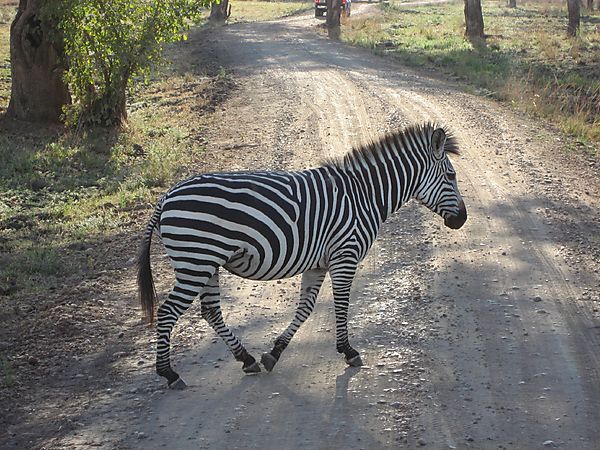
{"x": 62, "y": 192}
{"x": 65, "y": 193}
{"x": 526, "y": 60}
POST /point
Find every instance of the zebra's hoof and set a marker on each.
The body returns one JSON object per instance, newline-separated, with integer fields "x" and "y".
{"x": 178, "y": 385}
{"x": 355, "y": 361}
{"x": 252, "y": 368}
{"x": 268, "y": 361}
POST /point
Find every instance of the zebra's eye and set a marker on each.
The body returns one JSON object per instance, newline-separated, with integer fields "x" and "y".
{"x": 451, "y": 176}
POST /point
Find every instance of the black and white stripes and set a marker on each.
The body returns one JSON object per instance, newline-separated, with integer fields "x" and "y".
{"x": 272, "y": 225}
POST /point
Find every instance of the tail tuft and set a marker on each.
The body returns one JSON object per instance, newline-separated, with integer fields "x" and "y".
{"x": 146, "y": 289}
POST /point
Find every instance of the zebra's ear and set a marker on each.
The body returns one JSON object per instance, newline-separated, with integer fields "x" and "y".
{"x": 438, "y": 139}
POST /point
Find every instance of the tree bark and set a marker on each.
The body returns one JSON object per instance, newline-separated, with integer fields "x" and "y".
{"x": 38, "y": 90}
{"x": 473, "y": 19}
{"x": 574, "y": 15}
{"x": 220, "y": 11}
{"x": 334, "y": 12}
{"x": 590, "y": 5}
{"x": 512, "y": 3}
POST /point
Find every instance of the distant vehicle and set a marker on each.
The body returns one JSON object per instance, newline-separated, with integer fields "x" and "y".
{"x": 321, "y": 7}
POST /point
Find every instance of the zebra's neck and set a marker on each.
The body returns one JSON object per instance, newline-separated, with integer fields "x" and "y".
{"x": 386, "y": 174}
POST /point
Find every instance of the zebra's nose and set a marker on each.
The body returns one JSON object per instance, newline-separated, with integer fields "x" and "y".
{"x": 455, "y": 222}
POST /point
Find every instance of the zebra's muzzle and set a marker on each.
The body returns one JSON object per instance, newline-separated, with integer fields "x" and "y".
{"x": 455, "y": 222}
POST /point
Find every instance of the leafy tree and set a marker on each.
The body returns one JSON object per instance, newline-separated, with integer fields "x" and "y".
{"x": 108, "y": 43}
{"x": 99, "y": 45}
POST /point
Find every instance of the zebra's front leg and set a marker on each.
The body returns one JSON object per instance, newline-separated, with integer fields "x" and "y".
{"x": 211, "y": 312}
{"x": 342, "y": 275}
{"x": 312, "y": 280}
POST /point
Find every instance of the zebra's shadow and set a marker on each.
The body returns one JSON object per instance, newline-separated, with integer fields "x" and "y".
{"x": 341, "y": 415}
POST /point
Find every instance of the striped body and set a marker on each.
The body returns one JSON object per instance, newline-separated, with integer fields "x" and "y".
{"x": 261, "y": 226}
{"x": 272, "y": 225}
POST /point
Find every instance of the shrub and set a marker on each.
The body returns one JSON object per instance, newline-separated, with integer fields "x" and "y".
{"x": 107, "y": 44}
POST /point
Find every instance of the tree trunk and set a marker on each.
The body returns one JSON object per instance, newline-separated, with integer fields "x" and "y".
{"x": 38, "y": 91}
{"x": 574, "y": 14}
{"x": 590, "y": 5}
{"x": 334, "y": 12}
{"x": 109, "y": 109}
{"x": 512, "y": 3}
{"x": 473, "y": 19}
{"x": 220, "y": 11}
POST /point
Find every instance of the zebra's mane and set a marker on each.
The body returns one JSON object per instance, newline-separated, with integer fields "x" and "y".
{"x": 418, "y": 132}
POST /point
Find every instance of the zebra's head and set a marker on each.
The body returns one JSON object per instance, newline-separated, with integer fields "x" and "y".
{"x": 438, "y": 189}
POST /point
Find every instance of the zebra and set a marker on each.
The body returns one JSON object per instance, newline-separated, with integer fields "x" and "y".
{"x": 268, "y": 225}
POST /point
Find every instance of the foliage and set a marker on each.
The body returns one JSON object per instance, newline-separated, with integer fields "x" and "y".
{"x": 107, "y": 44}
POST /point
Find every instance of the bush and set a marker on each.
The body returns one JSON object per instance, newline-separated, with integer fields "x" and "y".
{"x": 108, "y": 43}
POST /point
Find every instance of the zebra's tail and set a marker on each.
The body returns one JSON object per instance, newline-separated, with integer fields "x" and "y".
{"x": 146, "y": 289}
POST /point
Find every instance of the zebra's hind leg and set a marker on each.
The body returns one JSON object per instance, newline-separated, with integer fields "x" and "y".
{"x": 342, "y": 275}
{"x": 312, "y": 280}
{"x": 179, "y": 300}
{"x": 211, "y": 312}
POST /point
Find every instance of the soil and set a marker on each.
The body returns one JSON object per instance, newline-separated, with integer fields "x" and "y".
{"x": 485, "y": 337}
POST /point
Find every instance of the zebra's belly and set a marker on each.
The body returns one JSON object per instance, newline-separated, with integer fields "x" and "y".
{"x": 249, "y": 264}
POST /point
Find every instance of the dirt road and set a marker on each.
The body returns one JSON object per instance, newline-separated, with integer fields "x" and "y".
{"x": 486, "y": 337}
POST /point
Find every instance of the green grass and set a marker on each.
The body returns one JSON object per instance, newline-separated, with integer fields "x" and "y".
{"x": 63, "y": 191}
{"x": 59, "y": 189}
{"x": 526, "y": 60}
